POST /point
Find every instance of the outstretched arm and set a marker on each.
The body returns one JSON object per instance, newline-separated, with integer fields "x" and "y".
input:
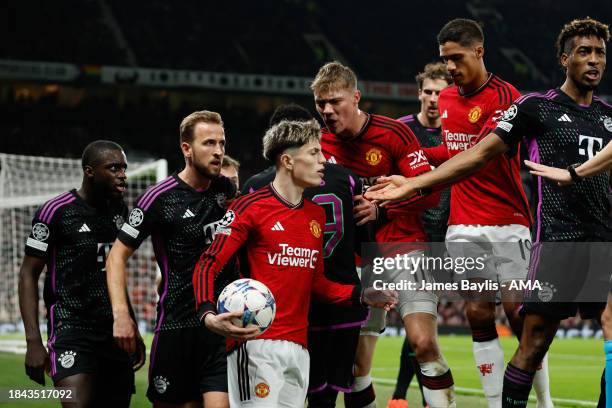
{"x": 592, "y": 167}
{"x": 396, "y": 188}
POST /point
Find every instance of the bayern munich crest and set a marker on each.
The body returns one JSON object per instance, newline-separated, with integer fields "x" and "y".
{"x": 136, "y": 217}
{"x": 40, "y": 231}
{"x": 66, "y": 359}
{"x": 607, "y": 122}
{"x": 161, "y": 384}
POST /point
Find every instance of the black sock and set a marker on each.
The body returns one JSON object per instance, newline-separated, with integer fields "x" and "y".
{"x": 360, "y": 398}
{"x": 602, "y": 392}
{"x": 517, "y": 385}
{"x": 406, "y": 371}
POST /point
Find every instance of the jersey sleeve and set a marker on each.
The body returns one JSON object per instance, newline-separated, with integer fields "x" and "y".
{"x": 140, "y": 223}
{"x": 496, "y": 108}
{"x": 232, "y": 232}
{"x": 436, "y": 155}
{"x": 41, "y": 237}
{"x": 518, "y": 121}
{"x": 407, "y": 153}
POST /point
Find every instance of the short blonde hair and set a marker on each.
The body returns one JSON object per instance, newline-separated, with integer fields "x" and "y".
{"x": 287, "y": 134}
{"x": 191, "y": 120}
{"x": 334, "y": 76}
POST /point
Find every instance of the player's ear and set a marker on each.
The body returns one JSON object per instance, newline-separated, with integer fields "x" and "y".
{"x": 479, "y": 51}
{"x": 357, "y": 96}
{"x": 286, "y": 161}
{"x": 88, "y": 171}
{"x": 186, "y": 149}
{"x": 563, "y": 60}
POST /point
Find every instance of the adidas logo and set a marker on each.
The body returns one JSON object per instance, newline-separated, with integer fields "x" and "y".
{"x": 277, "y": 227}
{"x": 332, "y": 160}
{"x": 84, "y": 228}
{"x": 445, "y": 114}
{"x": 564, "y": 118}
{"x": 188, "y": 214}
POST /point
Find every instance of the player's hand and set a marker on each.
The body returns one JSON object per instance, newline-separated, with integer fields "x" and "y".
{"x": 222, "y": 325}
{"x": 382, "y": 299}
{"x": 364, "y": 210}
{"x": 36, "y": 361}
{"x": 139, "y": 358}
{"x": 560, "y": 176}
{"x": 387, "y": 189}
{"x": 125, "y": 333}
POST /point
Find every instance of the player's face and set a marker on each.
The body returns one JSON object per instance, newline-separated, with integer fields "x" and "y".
{"x": 231, "y": 172}
{"x": 338, "y": 109}
{"x": 109, "y": 177}
{"x": 463, "y": 63}
{"x": 308, "y": 165}
{"x": 428, "y": 95}
{"x": 586, "y": 62}
{"x": 205, "y": 152}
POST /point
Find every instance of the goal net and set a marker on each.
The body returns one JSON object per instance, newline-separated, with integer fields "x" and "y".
{"x": 27, "y": 182}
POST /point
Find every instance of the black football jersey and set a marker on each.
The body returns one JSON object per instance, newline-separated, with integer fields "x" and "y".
{"x": 559, "y": 132}
{"x": 74, "y": 239}
{"x": 181, "y": 222}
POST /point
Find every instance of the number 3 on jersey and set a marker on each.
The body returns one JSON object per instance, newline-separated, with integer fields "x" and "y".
{"x": 334, "y": 225}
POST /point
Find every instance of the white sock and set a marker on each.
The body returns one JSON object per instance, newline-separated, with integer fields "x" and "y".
{"x": 489, "y": 357}
{"x": 541, "y": 385}
{"x": 360, "y": 384}
{"x": 439, "y": 398}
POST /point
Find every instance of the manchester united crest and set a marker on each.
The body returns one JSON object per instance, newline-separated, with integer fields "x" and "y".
{"x": 474, "y": 114}
{"x": 262, "y": 390}
{"x": 373, "y": 156}
{"x": 315, "y": 229}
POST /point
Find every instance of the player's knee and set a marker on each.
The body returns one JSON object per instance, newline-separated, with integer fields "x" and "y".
{"x": 425, "y": 347}
{"x": 480, "y": 314}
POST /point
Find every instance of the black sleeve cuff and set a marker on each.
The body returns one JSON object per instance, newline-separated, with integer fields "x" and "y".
{"x": 204, "y": 309}
{"x": 357, "y": 295}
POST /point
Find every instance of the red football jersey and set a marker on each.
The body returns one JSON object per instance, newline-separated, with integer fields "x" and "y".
{"x": 284, "y": 245}
{"x": 385, "y": 147}
{"x": 494, "y": 195}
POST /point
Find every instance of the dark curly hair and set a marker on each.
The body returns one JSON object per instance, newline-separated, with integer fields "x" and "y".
{"x": 585, "y": 27}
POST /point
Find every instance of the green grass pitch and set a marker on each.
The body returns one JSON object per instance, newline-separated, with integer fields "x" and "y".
{"x": 575, "y": 371}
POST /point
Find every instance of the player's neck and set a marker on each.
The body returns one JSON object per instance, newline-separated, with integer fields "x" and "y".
{"x": 194, "y": 179}
{"x": 479, "y": 80}
{"x": 425, "y": 121}
{"x": 580, "y": 96}
{"x": 88, "y": 194}
{"x": 287, "y": 189}
{"x": 356, "y": 127}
